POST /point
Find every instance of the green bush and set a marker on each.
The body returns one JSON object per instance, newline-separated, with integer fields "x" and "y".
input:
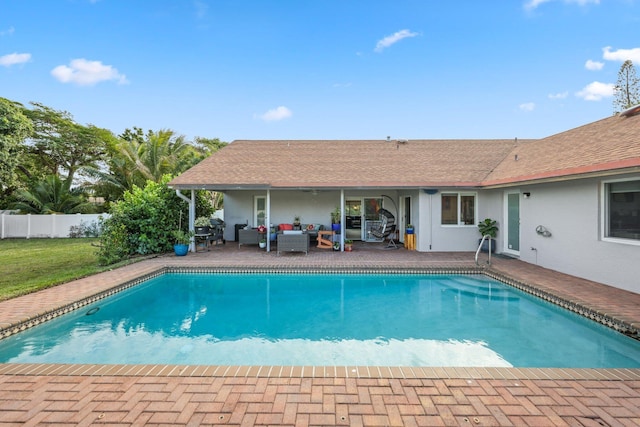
{"x": 142, "y": 223}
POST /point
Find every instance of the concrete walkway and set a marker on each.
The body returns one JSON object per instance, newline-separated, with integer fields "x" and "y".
{"x": 266, "y": 395}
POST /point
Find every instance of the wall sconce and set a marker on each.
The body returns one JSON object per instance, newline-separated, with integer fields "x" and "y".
{"x": 526, "y": 195}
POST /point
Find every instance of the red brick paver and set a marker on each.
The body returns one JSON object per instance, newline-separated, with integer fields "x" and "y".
{"x": 222, "y": 395}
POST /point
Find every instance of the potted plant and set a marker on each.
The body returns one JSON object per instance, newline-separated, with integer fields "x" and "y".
{"x": 263, "y": 243}
{"x": 296, "y": 222}
{"x": 488, "y": 227}
{"x": 336, "y": 246}
{"x": 335, "y": 219}
{"x": 181, "y": 242}
{"x": 202, "y": 224}
{"x": 348, "y": 245}
{"x": 410, "y": 229}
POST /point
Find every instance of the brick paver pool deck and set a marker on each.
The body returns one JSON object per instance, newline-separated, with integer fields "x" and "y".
{"x": 122, "y": 395}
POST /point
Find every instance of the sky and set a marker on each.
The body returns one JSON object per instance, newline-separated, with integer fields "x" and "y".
{"x": 321, "y": 69}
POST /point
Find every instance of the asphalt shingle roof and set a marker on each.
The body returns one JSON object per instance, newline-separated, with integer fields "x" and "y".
{"x": 354, "y": 163}
{"x": 605, "y": 145}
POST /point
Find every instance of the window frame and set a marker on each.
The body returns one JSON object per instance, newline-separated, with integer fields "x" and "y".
{"x": 459, "y": 195}
{"x": 256, "y": 211}
{"x": 605, "y": 213}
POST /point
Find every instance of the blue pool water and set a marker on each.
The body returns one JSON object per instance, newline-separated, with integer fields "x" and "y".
{"x": 347, "y": 320}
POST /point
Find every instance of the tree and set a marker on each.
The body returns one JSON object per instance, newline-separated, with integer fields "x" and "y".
{"x": 15, "y": 127}
{"x": 60, "y": 146}
{"x": 627, "y": 89}
{"x": 52, "y": 195}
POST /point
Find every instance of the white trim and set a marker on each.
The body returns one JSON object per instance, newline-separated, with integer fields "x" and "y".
{"x": 460, "y": 194}
{"x": 255, "y": 210}
{"x": 505, "y": 234}
{"x": 604, "y": 213}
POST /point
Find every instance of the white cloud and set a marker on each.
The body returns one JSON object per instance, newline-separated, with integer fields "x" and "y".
{"x": 532, "y": 4}
{"x": 14, "y": 58}
{"x": 560, "y": 95}
{"x": 621, "y": 54}
{"x": 593, "y": 65}
{"x": 275, "y": 114}
{"x": 7, "y": 32}
{"x": 527, "y": 106}
{"x": 595, "y": 91}
{"x": 87, "y": 73}
{"x": 392, "y": 39}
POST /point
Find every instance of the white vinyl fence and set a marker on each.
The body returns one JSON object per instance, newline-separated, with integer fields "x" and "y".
{"x": 46, "y": 226}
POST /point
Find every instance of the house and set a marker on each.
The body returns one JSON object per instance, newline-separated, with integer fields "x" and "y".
{"x": 569, "y": 202}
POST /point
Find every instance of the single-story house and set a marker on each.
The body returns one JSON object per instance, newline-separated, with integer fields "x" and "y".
{"x": 569, "y": 202}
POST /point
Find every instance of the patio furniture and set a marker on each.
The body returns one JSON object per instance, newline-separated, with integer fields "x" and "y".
{"x": 387, "y": 228}
{"x": 293, "y": 242}
{"x": 216, "y": 234}
{"x": 325, "y": 243}
{"x": 201, "y": 240}
{"x": 248, "y": 237}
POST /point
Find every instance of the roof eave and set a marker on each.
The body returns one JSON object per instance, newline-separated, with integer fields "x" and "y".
{"x": 566, "y": 175}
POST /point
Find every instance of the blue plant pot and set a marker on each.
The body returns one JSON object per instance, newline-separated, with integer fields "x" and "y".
{"x": 335, "y": 227}
{"x": 181, "y": 250}
{"x": 485, "y": 246}
{"x": 410, "y": 230}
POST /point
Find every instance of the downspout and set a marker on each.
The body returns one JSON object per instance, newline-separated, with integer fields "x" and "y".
{"x": 192, "y": 214}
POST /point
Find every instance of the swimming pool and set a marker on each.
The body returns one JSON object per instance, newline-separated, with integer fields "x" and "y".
{"x": 324, "y": 319}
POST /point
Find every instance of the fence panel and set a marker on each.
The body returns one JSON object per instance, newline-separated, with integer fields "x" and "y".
{"x": 43, "y": 226}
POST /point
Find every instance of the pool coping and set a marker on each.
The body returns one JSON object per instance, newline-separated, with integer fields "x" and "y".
{"x": 596, "y": 374}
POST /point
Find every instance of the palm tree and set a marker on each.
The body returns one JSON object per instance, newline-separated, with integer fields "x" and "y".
{"x": 52, "y": 195}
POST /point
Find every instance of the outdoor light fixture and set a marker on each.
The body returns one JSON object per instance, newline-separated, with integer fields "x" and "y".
{"x": 526, "y": 195}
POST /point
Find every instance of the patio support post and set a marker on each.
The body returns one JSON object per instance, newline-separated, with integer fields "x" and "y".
{"x": 192, "y": 219}
{"x": 267, "y": 220}
{"x": 192, "y": 215}
{"x": 343, "y": 218}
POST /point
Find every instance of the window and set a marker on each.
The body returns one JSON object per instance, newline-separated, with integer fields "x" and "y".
{"x": 260, "y": 210}
{"x": 458, "y": 209}
{"x": 622, "y": 213}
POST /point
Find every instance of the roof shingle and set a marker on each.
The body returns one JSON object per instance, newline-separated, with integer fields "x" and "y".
{"x": 606, "y": 145}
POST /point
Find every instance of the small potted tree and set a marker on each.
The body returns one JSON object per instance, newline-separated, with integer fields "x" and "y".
{"x": 335, "y": 219}
{"x": 181, "y": 242}
{"x": 488, "y": 227}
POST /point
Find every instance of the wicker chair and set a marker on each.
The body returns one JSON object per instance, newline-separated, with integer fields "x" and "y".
{"x": 293, "y": 243}
{"x": 387, "y": 229}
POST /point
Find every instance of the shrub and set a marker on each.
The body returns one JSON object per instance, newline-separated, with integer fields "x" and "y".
{"x": 85, "y": 229}
{"x": 142, "y": 223}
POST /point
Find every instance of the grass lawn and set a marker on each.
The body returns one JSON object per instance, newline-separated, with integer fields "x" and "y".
{"x": 29, "y": 265}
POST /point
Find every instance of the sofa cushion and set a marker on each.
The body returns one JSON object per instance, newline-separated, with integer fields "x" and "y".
{"x": 283, "y": 227}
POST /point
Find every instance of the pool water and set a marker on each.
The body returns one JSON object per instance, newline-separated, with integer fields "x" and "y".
{"x": 345, "y": 320}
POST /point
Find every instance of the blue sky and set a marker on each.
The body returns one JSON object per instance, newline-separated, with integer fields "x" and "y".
{"x": 322, "y": 69}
